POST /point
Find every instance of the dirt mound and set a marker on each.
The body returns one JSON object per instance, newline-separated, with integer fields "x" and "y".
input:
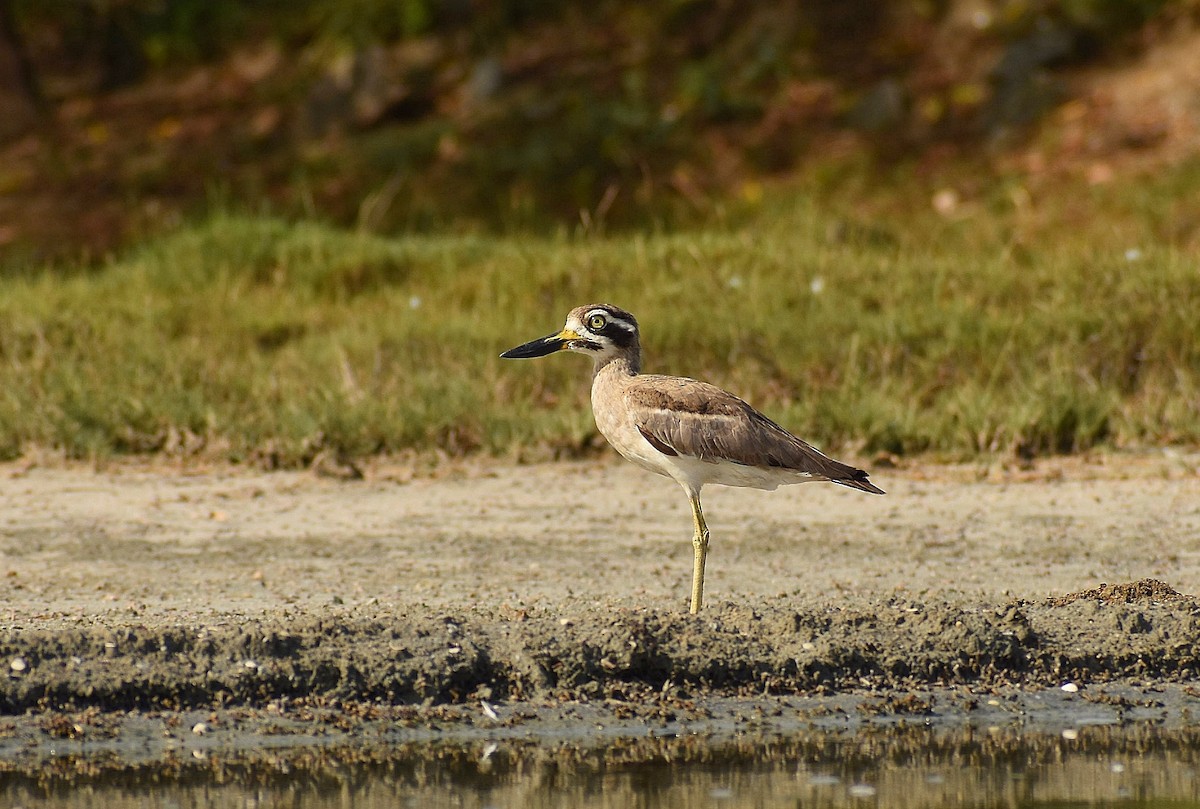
{"x": 422, "y": 656}
{"x": 1131, "y": 592}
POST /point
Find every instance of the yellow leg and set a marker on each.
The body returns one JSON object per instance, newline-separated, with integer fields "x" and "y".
{"x": 700, "y": 547}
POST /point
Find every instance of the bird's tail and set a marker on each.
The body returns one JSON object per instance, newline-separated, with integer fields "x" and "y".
{"x": 858, "y": 480}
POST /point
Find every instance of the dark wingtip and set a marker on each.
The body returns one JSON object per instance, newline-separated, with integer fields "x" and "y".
{"x": 859, "y": 481}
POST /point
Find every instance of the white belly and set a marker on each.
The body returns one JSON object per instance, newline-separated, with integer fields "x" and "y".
{"x": 727, "y": 473}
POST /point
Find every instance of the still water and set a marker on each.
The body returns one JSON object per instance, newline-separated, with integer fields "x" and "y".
{"x": 1140, "y": 765}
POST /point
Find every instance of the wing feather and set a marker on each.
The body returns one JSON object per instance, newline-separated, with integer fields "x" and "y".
{"x": 686, "y": 417}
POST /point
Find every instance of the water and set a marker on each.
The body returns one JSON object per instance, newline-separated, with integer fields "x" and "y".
{"x": 903, "y": 766}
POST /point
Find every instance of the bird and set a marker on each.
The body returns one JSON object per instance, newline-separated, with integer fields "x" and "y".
{"x": 691, "y": 431}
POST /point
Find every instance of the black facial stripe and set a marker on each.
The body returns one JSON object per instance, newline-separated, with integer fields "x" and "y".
{"x": 620, "y": 333}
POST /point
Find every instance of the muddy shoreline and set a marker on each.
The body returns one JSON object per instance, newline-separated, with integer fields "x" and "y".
{"x": 429, "y": 657}
{"x": 149, "y": 614}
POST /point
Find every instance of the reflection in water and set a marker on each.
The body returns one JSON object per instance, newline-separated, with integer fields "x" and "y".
{"x": 884, "y": 767}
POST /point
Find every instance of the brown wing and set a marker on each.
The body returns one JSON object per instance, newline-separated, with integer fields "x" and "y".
{"x": 685, "y": 417}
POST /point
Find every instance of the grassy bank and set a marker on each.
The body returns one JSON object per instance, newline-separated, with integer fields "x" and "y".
{"x": 258, "y": 340}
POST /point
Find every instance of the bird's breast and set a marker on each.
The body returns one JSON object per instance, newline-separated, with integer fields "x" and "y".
{"x": 619, "y": 427}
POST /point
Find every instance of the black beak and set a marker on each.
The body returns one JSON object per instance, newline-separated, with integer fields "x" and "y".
{"x": 540, "y": 347}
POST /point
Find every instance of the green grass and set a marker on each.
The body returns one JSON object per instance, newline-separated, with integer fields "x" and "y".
{"x": 257, "y": 340}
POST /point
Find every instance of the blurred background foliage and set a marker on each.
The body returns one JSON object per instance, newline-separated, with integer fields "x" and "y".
{"x": 123, "y": 115}
{"x": 934, "y": 226}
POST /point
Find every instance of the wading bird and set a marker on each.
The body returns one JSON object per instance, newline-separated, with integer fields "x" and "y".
{"x": 687, "y": 430}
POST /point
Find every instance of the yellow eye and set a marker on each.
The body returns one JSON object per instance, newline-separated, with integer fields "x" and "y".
{"x": 596, "y": 322}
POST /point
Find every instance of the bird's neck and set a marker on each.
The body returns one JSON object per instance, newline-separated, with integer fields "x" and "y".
{"x": 626, "y": 364}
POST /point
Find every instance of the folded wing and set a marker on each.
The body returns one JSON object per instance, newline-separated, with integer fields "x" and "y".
{"x": 680, "y": 416}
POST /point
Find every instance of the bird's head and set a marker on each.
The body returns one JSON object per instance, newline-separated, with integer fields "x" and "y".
{"x": 600, "y": 330}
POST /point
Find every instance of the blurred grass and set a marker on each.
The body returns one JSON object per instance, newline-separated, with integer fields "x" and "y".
{"x": 883, "y": 329}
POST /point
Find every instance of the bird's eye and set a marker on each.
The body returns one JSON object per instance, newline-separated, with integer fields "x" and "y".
{"x": 596, "y": 322}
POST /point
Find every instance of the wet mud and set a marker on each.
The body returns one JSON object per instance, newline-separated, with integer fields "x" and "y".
{"x": 428, "y": 657}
